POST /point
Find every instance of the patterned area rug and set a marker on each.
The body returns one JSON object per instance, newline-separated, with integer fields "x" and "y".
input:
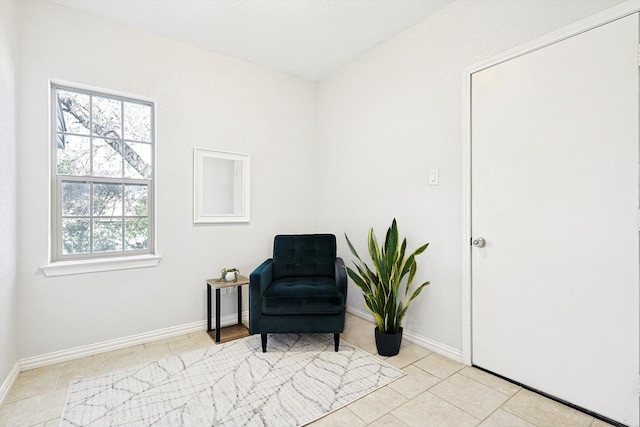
{"x": 298, "y": 380}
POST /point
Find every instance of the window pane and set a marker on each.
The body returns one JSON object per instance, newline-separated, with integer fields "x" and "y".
{"x": 75, "y": 198}
{"x": 72, "y": 112}
{"x": 138, "y": 160}
{"x": 75, "y": 236}
{"x": 136, "y": 234}
{"x": 107, "y": 235}
{"x": 136, "y": 200}
{"x": 107, "y": 160}
{"x": 137, "y": 122}
{"x": 107, "y": 199}
{"x": 73, "y": 158}
{"x": 107, "y": 116}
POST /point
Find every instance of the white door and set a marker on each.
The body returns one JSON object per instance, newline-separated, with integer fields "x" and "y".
{"x": 555, "y": 194}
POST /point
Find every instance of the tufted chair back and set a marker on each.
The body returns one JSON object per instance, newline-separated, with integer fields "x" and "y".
{"x": 303, "y": 255}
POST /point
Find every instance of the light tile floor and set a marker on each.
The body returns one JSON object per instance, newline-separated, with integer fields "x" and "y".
{"x": 436, "y": 391}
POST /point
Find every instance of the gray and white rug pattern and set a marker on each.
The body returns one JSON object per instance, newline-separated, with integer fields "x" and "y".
{"x": 298, "y": 380}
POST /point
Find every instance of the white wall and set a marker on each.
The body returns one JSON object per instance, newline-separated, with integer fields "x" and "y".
{"x": 388, "y": 118}
{"x": 203, "y": 100}
{"x": 8, "y": 188}
{"x": 348, "y": 153}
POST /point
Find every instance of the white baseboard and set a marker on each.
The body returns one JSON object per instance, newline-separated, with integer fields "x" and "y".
{"x": 8, "y": 382}
{"x": 436, "y": 347}
{"x": 101, "y": 347}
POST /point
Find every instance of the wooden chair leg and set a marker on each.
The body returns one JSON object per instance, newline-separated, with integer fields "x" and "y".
{"x": 264, "y": 342}
{"x": 336, "y": 341}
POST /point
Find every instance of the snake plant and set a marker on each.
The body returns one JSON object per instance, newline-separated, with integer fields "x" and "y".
{"x": 381, "y": 285}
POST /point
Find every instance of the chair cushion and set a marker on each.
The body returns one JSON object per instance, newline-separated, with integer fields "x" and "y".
{"x": 302, "y": 295}
{"x": 304, "y": 255}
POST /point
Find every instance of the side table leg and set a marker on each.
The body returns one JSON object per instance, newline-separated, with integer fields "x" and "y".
{"x": 208, "y": 307}
{"x": 217, "y": 314}
{"x": 239, "y": 305}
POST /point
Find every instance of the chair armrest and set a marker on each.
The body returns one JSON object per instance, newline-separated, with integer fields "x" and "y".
{"x": 259, "y": 279}
{"x": 341, "y": 277}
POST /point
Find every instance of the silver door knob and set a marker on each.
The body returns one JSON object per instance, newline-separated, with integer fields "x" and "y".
{"x": 479, "y": 242}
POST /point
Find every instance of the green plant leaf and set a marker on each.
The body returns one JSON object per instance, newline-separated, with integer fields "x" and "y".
{"x": 417, "y": 291}
{"x": 421, "y": 249}
{"x": 374, "y": 251}
{"x": 391, "y": 247}
{"x": 351, "y": 248}
{"x": 358, "y": 280}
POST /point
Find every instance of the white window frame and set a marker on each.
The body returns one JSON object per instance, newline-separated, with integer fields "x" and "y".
{"x": 62, "y": 264}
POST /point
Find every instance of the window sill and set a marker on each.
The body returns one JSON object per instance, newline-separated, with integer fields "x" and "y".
{"x": 64, "y": 268}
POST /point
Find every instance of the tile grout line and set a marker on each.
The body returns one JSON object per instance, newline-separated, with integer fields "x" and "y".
{"x": 504, "y": 409}
{"x": 516, "y": 415}
{"x": 454, "y": 405}
{"x": 464, "y": 410}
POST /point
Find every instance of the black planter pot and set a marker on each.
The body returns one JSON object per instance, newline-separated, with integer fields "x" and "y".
{"x": 388, "y": 344}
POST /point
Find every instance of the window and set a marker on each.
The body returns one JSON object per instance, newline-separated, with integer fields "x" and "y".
{"x": 103, "y": 166}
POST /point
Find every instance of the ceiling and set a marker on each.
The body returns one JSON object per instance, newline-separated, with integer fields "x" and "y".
{"x": 309, "y": 39}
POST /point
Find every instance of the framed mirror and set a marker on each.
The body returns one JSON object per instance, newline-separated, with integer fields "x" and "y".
{"x": 220, "y": 186}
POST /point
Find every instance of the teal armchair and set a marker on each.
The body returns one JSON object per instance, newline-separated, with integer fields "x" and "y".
{"x": 302, "y": 289}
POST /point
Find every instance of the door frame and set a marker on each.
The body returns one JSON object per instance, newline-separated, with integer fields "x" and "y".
{"x": 579, "y": 27}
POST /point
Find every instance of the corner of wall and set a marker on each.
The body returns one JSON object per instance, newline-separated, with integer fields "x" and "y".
{"x": 9, "y": 364}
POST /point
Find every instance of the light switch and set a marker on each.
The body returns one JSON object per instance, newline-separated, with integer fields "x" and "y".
{"x": 434, "y": 177}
